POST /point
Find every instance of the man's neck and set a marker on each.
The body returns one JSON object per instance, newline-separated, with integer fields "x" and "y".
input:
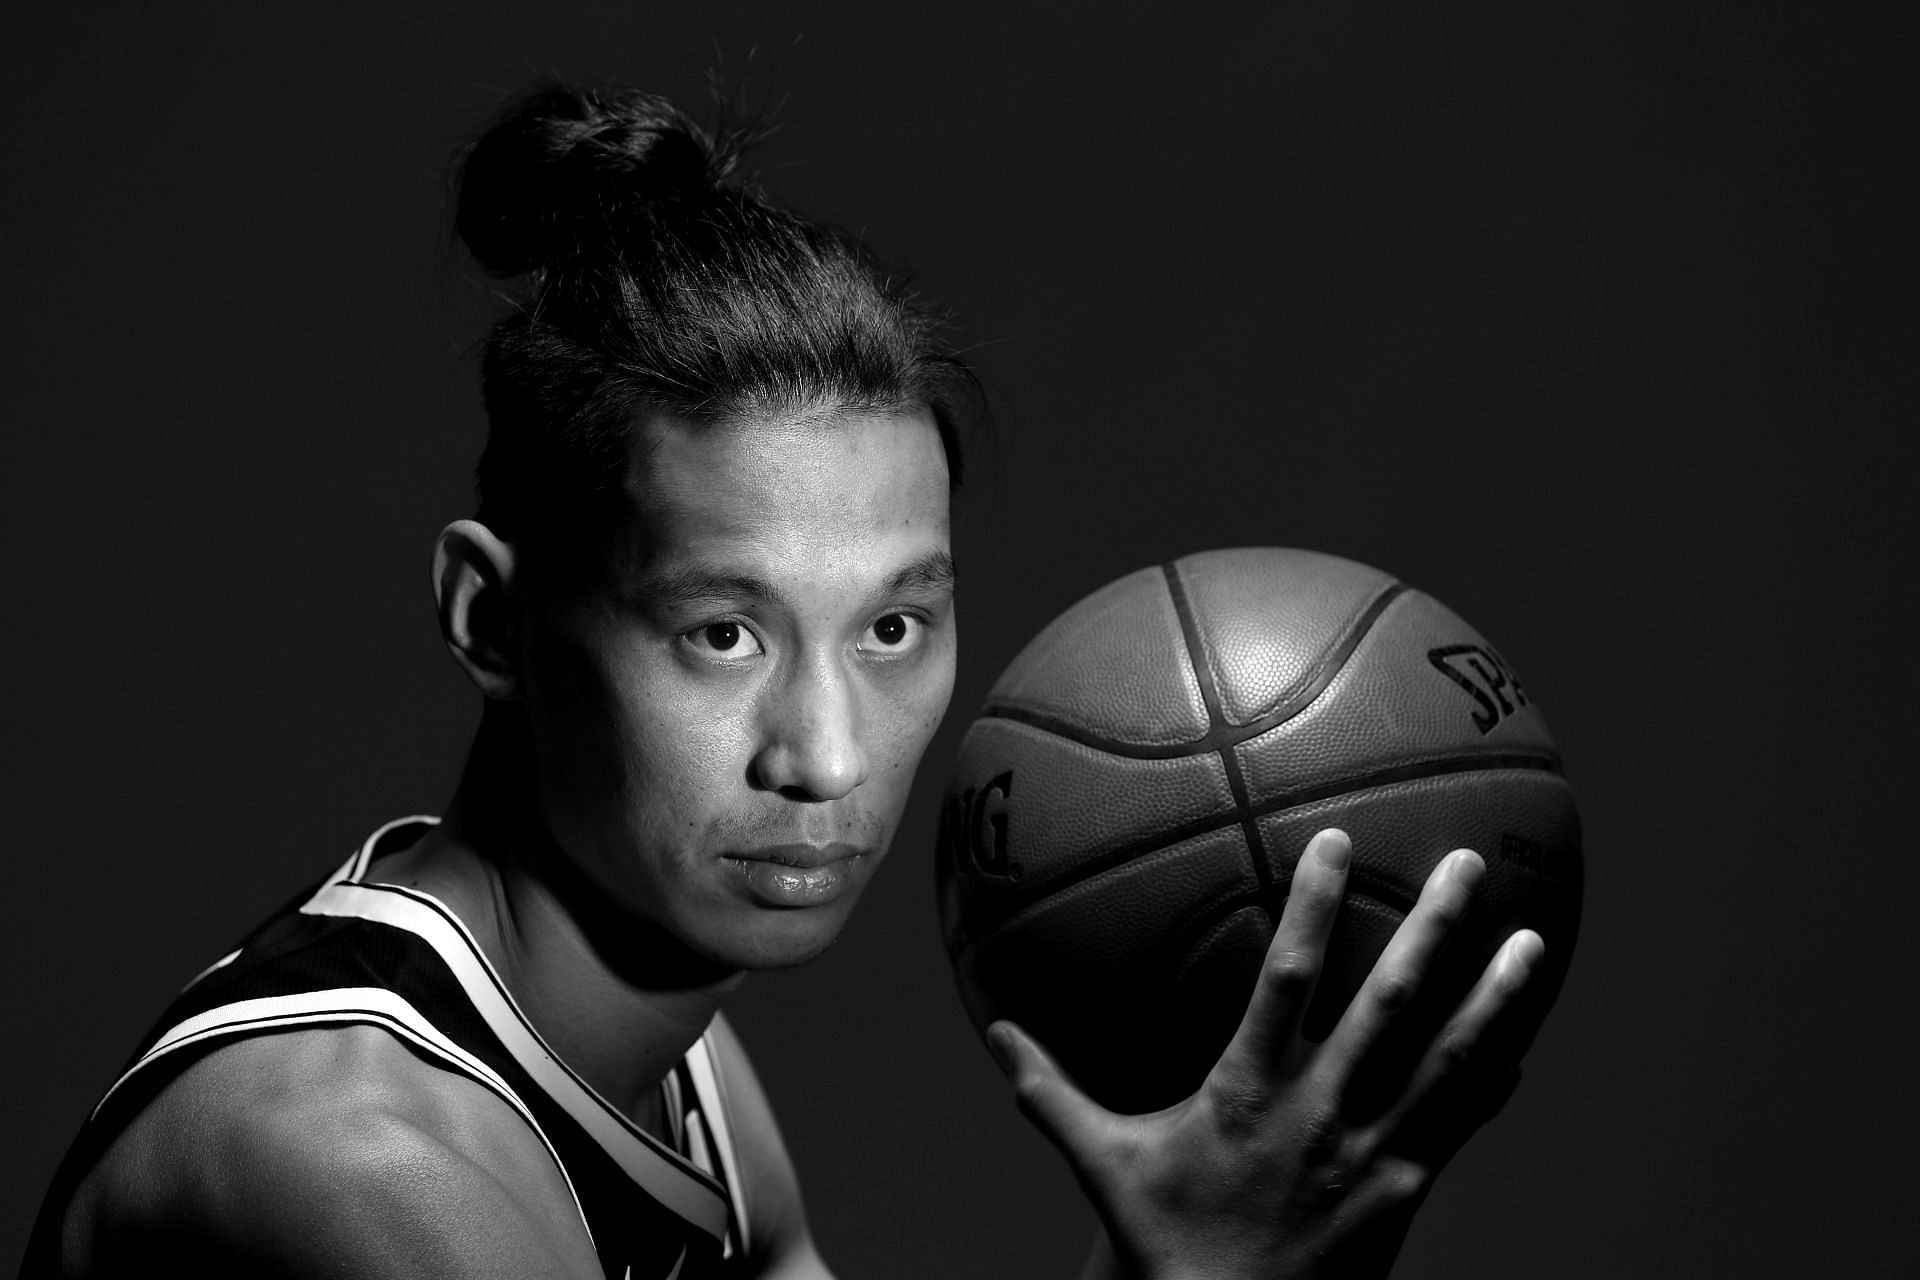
{"x": 620, "y": 1014}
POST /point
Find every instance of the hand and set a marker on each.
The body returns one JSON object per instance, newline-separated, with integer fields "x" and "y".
{"x": 1297, "y": 1159}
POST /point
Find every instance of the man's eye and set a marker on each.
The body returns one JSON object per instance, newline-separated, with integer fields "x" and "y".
{"x": 725, "y": 640}
{"x": 893, "y": 633}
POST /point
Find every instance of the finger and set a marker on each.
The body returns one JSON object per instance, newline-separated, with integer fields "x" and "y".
{"x": 1269, "y": 1035}
{"x": 1476, "y": 1048}
{"x": 1405, "y": 967}
{"x": 1047, "y": 1095}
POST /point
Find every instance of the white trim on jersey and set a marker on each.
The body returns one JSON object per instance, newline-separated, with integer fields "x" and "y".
{"x": 664, "y": 1173}
{"x": 370, "y": 1006}
{"x": 704, "y": 1069}
{"x": 676, "y": 1109}
{"x": 215, "y": 967}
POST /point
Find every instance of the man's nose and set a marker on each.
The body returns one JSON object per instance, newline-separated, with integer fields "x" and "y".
{"x": 812, "y": 746}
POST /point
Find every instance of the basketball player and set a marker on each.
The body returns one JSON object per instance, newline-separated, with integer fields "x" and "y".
{"x": 709, "y": 601}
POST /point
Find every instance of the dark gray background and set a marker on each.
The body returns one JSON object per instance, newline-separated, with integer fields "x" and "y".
{"x": 1583, "y": 317}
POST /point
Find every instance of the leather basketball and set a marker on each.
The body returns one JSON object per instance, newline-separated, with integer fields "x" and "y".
{"x": 1123, "y": 817}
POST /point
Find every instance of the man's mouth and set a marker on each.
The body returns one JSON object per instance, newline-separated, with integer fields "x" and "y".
{"x": 798, "y": 875}
{"x": 804, "y": 856}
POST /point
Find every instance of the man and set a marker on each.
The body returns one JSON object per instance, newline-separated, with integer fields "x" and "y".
{"x": 710, "y": 603}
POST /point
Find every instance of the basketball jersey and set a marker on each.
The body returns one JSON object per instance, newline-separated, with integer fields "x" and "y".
{"x": 361, "y": 953}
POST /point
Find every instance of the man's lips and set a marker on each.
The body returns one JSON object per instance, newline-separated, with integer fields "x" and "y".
{"x": 798, "y": 875}
{"x": 804, "y": 856}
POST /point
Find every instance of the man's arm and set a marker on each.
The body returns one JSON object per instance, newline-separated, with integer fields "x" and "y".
{"x": 780, "y": 1244}
{"x": 325, "y": 1153}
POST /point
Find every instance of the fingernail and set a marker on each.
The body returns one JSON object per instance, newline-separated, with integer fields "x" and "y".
{"x": 1467, "y": 868}
{"x": 1333, "y": 849}
{"x": 1527, "y": 949}
{"x": 1000, "y": 1045}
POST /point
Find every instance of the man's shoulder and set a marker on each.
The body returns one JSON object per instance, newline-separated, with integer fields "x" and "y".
{"x": 306, "y": 1150}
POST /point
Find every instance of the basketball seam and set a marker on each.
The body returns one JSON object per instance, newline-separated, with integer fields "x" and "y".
{"x": 1209, "y": 681}
{"x": 1221, "y": 734}
{"x": 1203, "y": 673}
{"x": 1361, "y": 883}
{"x": 1270, "y": 899}
{"x": 1412, "y": 771}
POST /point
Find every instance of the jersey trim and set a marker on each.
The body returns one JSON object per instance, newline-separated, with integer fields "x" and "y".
{"x": 703, "y": 1067}
{"x": 662, "y": 1172}
{"x": 213, "y": 968}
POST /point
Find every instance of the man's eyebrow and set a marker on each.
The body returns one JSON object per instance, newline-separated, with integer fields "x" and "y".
{"x": 692, "y": 585}
{"x": 931, "y": 572}
{"x": 680, "y": 588}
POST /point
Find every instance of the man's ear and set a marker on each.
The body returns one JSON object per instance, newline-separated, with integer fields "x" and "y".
{"x": 472, "y": 588}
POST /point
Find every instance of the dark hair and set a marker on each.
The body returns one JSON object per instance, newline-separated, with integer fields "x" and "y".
{"x": 662, "y": 282}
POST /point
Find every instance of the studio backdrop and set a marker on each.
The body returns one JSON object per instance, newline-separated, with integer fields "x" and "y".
{"x": 1574, "y": 316}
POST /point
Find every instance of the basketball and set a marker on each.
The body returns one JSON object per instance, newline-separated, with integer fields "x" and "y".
{"x": 1122, "y": 820}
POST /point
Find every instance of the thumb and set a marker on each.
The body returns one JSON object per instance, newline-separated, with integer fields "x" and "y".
{"x": 1047, "y": 1095}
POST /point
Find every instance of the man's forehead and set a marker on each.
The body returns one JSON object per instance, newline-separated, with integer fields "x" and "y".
{"x": 860, "y": 493}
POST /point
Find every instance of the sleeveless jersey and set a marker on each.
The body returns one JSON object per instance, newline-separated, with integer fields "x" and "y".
{"x": 370, "y": 954}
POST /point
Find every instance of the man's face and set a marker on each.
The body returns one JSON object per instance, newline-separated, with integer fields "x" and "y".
{"x": 727, "y": 725}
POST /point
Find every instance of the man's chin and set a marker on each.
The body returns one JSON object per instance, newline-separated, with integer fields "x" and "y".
{"x": 764, "y": 938}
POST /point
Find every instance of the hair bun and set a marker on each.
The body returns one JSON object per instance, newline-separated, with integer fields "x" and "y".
{"x": 566, "y": 171}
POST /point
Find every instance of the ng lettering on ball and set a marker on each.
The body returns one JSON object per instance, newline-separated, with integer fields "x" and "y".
{"x": 974, "y": 821}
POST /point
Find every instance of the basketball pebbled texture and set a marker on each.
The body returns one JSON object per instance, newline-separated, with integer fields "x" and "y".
{"x": 1122, "y": 819}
